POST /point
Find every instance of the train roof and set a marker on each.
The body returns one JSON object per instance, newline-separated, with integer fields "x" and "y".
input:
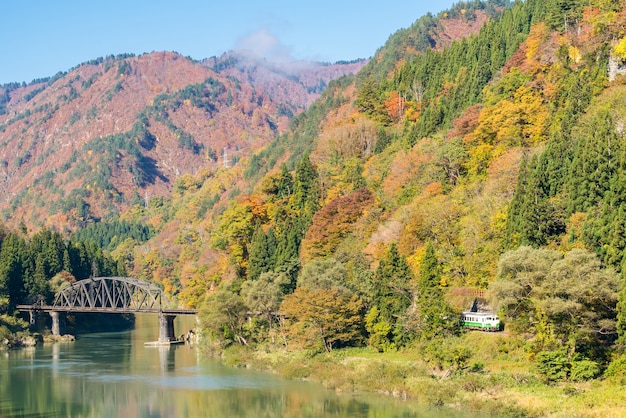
{"x": 480, "y": 313}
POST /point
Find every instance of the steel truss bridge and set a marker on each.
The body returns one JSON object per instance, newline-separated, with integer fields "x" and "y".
{"x": 112, "y": 295}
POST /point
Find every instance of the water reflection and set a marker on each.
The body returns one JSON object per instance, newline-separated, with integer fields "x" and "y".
{"x": 115, "y": 375}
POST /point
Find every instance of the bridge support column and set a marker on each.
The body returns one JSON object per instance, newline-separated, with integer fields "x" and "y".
{"x": 58, "y": 323}
{"x": 166, "y": 328}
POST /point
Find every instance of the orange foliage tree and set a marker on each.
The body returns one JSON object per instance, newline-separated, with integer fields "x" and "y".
{"x": 324, "y": 318}
{"x": 333, "y": 222}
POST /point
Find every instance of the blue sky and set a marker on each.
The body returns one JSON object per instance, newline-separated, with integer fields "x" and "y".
{"x": 43, "y": 37}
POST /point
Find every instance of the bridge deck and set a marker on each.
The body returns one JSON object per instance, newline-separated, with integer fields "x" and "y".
{"x": 49, "y": 308}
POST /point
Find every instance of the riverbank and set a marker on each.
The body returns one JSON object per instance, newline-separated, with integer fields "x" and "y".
{"x": 483, "y": 372}
{"x": 20, "y": 340}
{"x": 14, "y": 333}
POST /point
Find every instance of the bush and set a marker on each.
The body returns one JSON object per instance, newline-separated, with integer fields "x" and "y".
{"x": 617, "y": 370}
{"x": 584, "y": 370}
{"x": 477, "y": 367}
{"x": 553, "y": 366}
{"x": 449, "y": 354}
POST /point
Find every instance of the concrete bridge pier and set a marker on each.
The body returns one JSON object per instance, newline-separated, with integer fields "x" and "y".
{"x": 58, "y": 323}
{"x": 166, "y": 328}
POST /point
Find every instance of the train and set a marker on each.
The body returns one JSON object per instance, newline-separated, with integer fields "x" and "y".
{"x": 483, "y": 321}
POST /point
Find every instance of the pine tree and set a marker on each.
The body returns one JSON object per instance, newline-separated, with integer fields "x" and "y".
{"x": 515, "y": 213}
{"x": 430, "y": 274}
{"x": 67, "y": 262}
{"x": 621, "y": 313}
{"x": 594, "y": 162}
{"x": 260, "y": 255}
{"x": 306, "y": 188}
{"x": 435, "y": 317}
{"x": 391, "y": 295}
{"x": 12, "y": 269}
{"x": 285, "y": 183}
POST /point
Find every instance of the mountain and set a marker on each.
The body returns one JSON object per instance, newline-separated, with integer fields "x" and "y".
{"x": 294, "y": 84}
{"x": 84, "y": 145}
{"x": 359, "y": 133}
{"x": 449, "y": 169}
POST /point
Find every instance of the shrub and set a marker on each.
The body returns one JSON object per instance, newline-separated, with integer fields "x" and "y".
{"x": 584, "y": 370}
{"x": 448, "y": 354}
{"x": 617, "y": 370}
{"x": 553, "y": 366}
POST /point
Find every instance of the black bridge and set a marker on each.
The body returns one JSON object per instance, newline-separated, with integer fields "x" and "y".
{"x": 112, "y": 295}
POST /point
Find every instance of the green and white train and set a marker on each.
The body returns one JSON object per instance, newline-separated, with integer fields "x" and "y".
{"x": 483, "y": 321}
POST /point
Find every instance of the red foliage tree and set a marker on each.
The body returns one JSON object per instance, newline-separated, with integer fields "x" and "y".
{"x": 333, "y": 222}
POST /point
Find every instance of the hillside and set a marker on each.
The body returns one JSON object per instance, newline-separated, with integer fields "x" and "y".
{"x": 478, "y": 156}
{"x": 469, "y": 154}
{"x": 88, "y": 143}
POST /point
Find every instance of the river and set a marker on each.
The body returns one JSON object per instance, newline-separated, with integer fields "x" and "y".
{"x": 116, "y": 375}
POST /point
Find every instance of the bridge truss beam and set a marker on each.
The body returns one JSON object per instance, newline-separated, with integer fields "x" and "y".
{"x": 111, "y": 293}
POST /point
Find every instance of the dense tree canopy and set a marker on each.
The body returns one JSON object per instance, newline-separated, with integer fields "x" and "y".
{"x": 563, "y": 300}
{"x": 28, "y": 265}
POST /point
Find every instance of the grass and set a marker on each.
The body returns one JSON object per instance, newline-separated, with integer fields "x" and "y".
{"x": 498, "y": 378}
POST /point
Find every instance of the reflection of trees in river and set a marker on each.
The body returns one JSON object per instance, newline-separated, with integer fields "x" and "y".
{"x": 28, "y": 390}
{"x": 115, "y": 375}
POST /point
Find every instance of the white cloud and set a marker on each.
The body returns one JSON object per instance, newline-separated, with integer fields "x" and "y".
{"x": 265, "y": 45}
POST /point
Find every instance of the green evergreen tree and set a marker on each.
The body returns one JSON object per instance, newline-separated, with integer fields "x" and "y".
{"x": 594, "y": 162}
{"x": 67, "y": 262}
{"x": 621, "y": 314}
{"x": 12, "y": 269}
{"x": 306, "y": 188}
{"x": 563, "y": 14}
{"x": 605, "y": 228}
{"x": 370, "y": 101}
{"x": 391, "y": 296}
{"x": 435, "y": 317}
{"x": 285, "y": 183}
{"x": 429, "y": 283}
{"x": 36, "y": 284}
{"x": 515, "y": 213}
{"x": 260, "y": 255}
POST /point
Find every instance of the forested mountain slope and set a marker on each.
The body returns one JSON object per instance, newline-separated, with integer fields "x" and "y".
{"x": 82, "y": 145}
{"x": 424, "y": 153}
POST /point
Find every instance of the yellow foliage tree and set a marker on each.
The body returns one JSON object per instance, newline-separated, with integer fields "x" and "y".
{"x": 620, "y": 48}
{"x": 520, "y": 120}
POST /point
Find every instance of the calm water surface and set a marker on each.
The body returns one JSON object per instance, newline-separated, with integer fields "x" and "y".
{"x": 115, "y": 375}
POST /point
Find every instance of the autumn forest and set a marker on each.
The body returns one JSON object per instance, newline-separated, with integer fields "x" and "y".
{"x": 479, "y": 155}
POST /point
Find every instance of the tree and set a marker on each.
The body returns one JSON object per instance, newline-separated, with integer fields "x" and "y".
{"x": 264, "y": 295}
{"x": 324, "y": 273}
{"x": 391, "y": 296}
{"x": 563, "y": 300}
{"x": 370, "y": 101}
{"x": 223, "y": 314}
{"x": 11, "y": 269}
{"x": 596, "y": 158}
{"x": 323, "y": 318}
{"x": 621, "y": 314}
{"x": 533, "y": 218}
{"x": 563, "y": 14}
{"x": 333, "y": 222}
{"x": 451, "y": 157}
{"x": 306, "y": 193}
{"x": 236, "y": 228}
{"x": 260, "y": 253}
{"x": 278, "y": 184}
{"x": 435, "y": 318}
